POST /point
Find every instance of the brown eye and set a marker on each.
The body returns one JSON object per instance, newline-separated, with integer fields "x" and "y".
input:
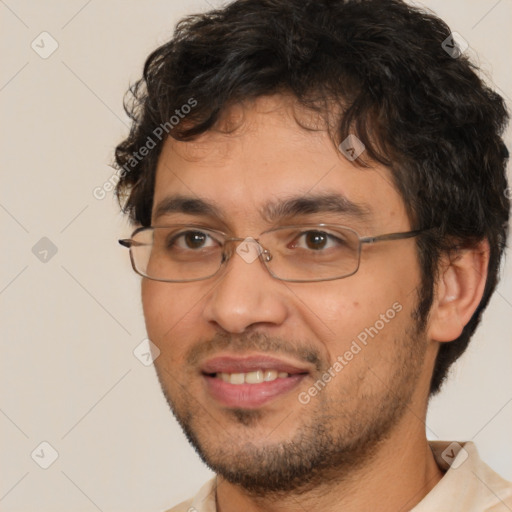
{"x": 320, "y": 241}
{"x": 190, "y": 240}
{"x": 194, "y": 239}
{"x": 315, "y": 240}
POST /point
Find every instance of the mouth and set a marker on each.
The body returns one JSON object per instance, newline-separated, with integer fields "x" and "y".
{"x": 253, "y": 377}
{"x": 250, "y": 382}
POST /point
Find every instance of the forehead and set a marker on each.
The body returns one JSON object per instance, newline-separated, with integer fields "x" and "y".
{"x": 259, "y": 156}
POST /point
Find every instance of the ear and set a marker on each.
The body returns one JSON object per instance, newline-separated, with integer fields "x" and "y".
{"x": 459, "y": 289}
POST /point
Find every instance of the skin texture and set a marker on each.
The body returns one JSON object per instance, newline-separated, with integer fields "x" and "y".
{"x": 360, "y": 443}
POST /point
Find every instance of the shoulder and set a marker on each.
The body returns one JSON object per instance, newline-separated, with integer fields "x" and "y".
{"x": 495, "y": 490}
{"x": 184, "y": 506}
{"x": 203, "y": 501}
{"x": 503, "y": 504}
{"x": 499, "y": 490}
{"x": 468, "y": 485}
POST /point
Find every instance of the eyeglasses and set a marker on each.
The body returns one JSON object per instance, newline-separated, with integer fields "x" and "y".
{"x": 299, "y": 253}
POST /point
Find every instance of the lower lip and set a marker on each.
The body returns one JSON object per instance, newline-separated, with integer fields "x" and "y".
{"x": 250, "y": 396}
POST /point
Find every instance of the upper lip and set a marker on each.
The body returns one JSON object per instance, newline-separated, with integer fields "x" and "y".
{"x": 241, "y": 364}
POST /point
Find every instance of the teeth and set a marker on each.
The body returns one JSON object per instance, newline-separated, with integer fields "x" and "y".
{"x": 255, "y": 377}
{"x": 270, "y": 375}
{"x": 237, "y": 378}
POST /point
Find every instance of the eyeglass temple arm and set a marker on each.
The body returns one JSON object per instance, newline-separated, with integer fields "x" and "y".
{"x": 128, "y": 242}
{"x": 392, "y": 236}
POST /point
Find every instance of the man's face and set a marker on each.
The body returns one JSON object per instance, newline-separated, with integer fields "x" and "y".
{"x": 286, "y": 431}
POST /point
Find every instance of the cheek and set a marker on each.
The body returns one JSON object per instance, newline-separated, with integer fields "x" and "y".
{"x": 169, "y": 315}
{"x": 339, "y": 309}
{"x": 157, "y": 307}
{"x": 360, "y": 309}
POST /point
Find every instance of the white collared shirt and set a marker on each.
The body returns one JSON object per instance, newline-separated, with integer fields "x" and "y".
{"x": 469, "y": 485}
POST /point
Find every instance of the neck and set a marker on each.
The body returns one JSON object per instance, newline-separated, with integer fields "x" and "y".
{"x": 400, "y": 474}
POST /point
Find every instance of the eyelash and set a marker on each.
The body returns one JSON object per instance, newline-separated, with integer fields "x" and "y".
{"x": 174, "y": 238}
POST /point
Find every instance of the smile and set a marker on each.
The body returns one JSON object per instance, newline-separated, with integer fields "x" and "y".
{"x": 250, "y": 382}
{"x": 254, "y": 377}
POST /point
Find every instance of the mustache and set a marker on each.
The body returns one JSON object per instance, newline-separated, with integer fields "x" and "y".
{"x": 256, "y": 341}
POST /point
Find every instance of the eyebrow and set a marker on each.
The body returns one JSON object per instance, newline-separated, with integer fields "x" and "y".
{"x": 311, "y": 204}
{"x": 272, "y": 211}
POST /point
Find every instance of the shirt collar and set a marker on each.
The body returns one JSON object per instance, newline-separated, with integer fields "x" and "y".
{"x": 468, "y": 485}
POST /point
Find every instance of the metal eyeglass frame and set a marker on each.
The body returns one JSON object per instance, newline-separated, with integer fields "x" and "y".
{"x": 265, "y": 256}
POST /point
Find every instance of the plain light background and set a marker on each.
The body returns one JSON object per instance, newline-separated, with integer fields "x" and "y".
{"x": 71, "y": 320}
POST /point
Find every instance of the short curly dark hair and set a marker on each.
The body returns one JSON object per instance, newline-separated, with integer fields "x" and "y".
{"x": 420, "y": 110}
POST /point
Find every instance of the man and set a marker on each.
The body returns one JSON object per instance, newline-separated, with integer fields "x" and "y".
{"x": 320, "y": 195}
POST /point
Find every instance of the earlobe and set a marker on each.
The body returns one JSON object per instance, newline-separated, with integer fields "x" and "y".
{"x": 459, "y": 289}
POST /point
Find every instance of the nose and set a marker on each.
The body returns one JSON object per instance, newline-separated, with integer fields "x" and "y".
{"x": 246, "y": 294}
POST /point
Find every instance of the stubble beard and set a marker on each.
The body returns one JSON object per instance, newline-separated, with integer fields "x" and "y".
{"x": 330, "y": 444}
